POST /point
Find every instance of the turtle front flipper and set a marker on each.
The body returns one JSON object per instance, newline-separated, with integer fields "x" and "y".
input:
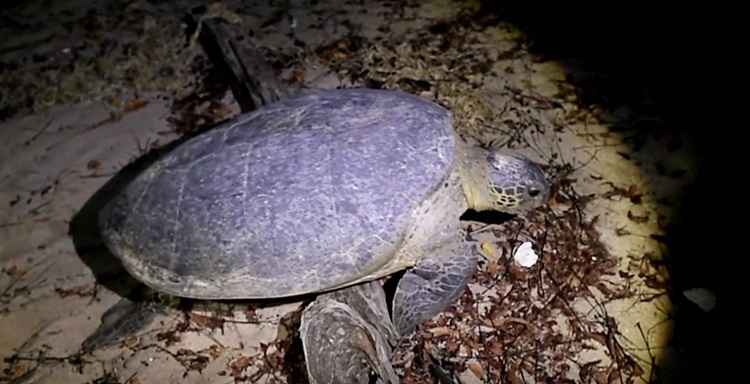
{"x": 346, "y": 336}
{"x": 433, "y": 284}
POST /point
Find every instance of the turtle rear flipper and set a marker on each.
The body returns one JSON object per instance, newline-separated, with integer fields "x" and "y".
{"x": 346, "y": 337}
{"x": 123, "y": 319}
{"x": 433, "y": 284}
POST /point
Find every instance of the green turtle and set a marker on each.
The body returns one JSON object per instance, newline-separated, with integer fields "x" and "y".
{"x": 325, "y": 192}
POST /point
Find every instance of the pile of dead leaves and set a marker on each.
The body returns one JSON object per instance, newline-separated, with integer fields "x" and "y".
{"x": 518, "y": 324}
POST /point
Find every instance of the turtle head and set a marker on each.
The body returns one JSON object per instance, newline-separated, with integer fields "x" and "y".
{"x": 515, "y": 183}
{"x": 510, "y": 183}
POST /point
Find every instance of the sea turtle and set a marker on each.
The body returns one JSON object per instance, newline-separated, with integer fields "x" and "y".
{"x": 324, "y": 192}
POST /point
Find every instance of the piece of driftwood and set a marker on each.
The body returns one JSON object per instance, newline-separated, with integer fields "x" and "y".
{"x": 253, "y": 80}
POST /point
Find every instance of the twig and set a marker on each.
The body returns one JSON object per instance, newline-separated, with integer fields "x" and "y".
{"x": 651, "y": 376}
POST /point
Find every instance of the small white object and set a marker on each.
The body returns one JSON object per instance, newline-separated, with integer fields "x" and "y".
{"x": 468, "y": 377}
{"x": 702, "y": 297}
{"x": 525, "y": 255}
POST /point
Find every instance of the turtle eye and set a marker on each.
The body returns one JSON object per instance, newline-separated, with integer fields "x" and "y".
{"x": 533, "y": 192}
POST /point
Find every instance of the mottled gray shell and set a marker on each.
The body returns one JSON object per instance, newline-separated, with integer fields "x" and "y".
{"x": 303, "y": 195}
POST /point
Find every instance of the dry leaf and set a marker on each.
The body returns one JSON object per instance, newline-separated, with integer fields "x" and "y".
{"x": 440, "y": 331}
